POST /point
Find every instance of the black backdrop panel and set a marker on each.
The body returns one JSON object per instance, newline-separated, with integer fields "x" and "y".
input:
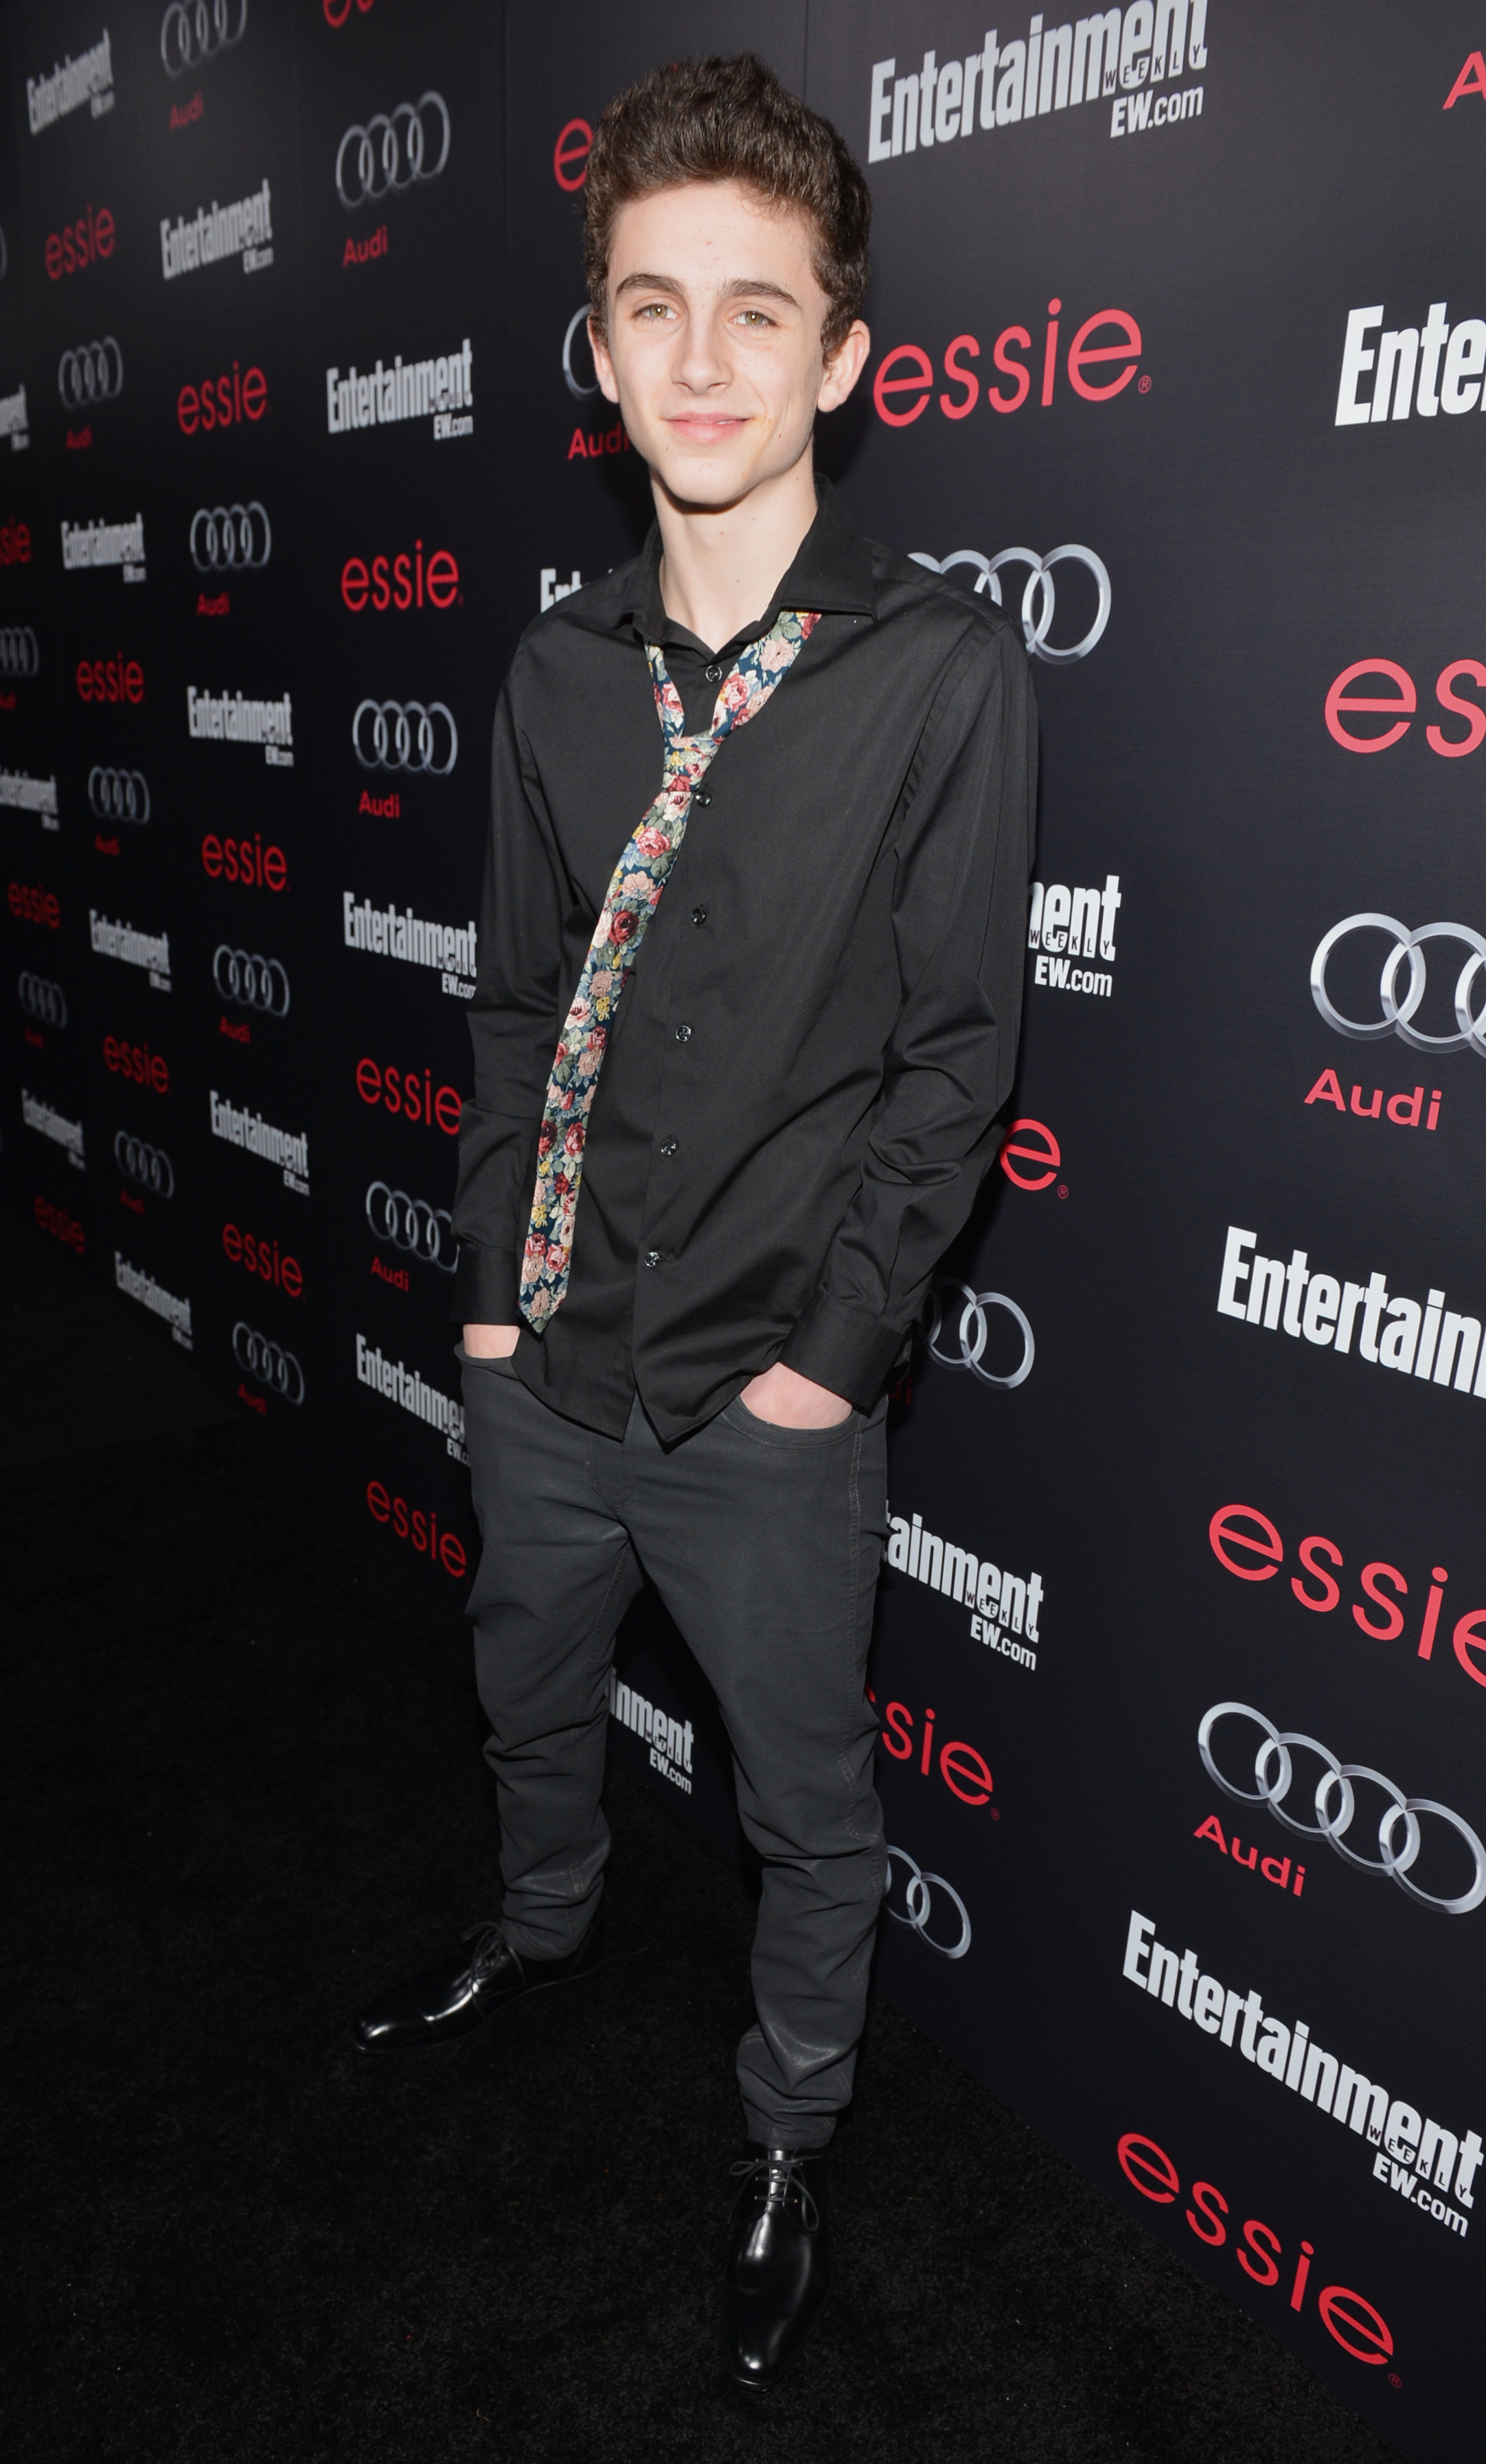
{"x": 1178, "y": 351}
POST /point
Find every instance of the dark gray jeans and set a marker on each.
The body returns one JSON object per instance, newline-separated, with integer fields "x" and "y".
{"x": 764, "y": 1544}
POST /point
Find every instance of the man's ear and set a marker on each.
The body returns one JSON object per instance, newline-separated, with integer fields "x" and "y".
{"x": 844, "y": 366}
{"x": 603, "y": 366}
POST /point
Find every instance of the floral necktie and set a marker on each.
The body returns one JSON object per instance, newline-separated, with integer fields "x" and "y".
{"x": 630, "y": 900}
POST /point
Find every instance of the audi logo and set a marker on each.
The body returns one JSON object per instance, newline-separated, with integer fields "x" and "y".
{"x": 918, "y": 1904}
{"x": 970, "y": 1337}
{"x": 578, "y": 323}
{"x": 19, "y": 655}
{"x": 91, "y": 373}
{"x": 1036, "y": 624}
{"x": 405, "y": 736}
{"x": 1336, "y": 1803}
{"x": 43, "y": 1000}
{"x": 412, "y": 1224}
{"x": 268, "y": 1362}
{"x": 253, "y": 982}
{"x": 193, "y": 30}
{"x": 1397, "y": 1014}
{"x": 231, "y": 538}
{"x": 119, "y": 795}
{"x": 147, "y": 1167}
{"x": 392, "y": 151}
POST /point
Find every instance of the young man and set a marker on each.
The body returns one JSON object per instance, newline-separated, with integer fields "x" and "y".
{"x": 757, "y": 877}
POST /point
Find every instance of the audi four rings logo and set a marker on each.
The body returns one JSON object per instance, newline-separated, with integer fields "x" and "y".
{"x": 91, "y": 373}
{"x": 253, "y": 982}
{"x": 191, "y": 31}
{"x": 405, "y": 736}
{"x": 147, "y": 1167}
{"x": 119, "y": 795}
{"x": 969, "y": 1338}
{"x": 393, "y": 150}
{"x": 1037, "y": 620}
{"x": 578, "y": 323}
{"x": 19, "y": 655}
{"x": 1397, "y": 1014}
{"x": 412, "y": 1224}
{"x": 231, "y": 538}
{"x": 268, "y": 1362}
{"x": 918, "y": 1911}
{"x": 1336, "y": 1804}
{"x": 43, "y": 1000}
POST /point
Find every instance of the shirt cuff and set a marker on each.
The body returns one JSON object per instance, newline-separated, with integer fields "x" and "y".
{"x": 486, "y": 1287}
{"x": 843, "y": 1349}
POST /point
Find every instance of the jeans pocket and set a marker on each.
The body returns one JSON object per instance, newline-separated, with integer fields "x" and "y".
{"x": 773, "y": 1433}
{"x": 501, "y": 1365}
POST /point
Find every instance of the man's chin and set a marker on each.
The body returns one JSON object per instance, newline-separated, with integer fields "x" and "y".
{"x": 705, "y": 482}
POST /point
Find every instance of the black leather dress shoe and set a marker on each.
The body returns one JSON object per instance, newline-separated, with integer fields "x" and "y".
{"x": 778, "y": 2260}
{"x": 465, "y": 1992}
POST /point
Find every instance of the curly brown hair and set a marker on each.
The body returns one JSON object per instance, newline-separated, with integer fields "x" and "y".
{"x": 731, "y": 119}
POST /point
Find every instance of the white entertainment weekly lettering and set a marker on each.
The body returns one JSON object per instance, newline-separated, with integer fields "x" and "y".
{"x": 1064, "y": 924}
{"x": 1426, "y": 368}
{"x": 144, "y": 1289}
{"x": 230, "y": 719}
{"x": 13, "y": 422}
{"x": 407, "y": 1388}
{"x": 394, "y": 933}
{"x": 670, "y": 1740}
{"x": 1112, "y": 52}
{"x": 89, "y": 80}
{"x": 1392, "y": 1332}
{"x": 88, "y": 546}
{"x": 150, "y": 950}
{"x": 442, "y": 388}
{"x": 24, "y": 794}
{"x": 38, "y": 1115}
{"x": 1421, "y": 2151}
{"x": 215, "y": 232}
{"x": 289, "y": 1149}
{"x": 1003, "y": 1605}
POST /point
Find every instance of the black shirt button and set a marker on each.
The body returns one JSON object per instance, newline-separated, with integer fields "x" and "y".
{"x": 698, "y": 914}
{"x": 683, "y": 1034}
{"x": 700, "y": 796}
{"x": 715, "y": 674}
{"x": 669, "y": 1147}
{"x": 652, "y": 1256}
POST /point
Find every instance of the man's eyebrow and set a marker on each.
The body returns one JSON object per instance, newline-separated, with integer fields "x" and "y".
{"x": 740, "y": 288}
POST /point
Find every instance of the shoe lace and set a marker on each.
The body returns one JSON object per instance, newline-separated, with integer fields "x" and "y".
{"x": 785, "y": 2174}
{"x": 489, "y": 1943}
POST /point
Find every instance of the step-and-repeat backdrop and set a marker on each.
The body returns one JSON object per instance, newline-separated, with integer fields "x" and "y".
{"x": 1179, "y": 349}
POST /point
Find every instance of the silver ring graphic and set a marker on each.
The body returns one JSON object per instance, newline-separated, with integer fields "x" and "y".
{"x": 412, "y": 1224}
{"x": 231, "y": 538}
{"x": 405, "y": 736}
{"x": 268, "y": 1362}
{"x": 147, "y": 1167}
{"x": 1397, "y": 1014}
{"x": 253, "y": 982}
{"x": 1035, "y": 626}
{"x": 91, "y": 373}
{"x": 191, "y": 31}
{"x": 580, "y": 393}
{"x": 117, "y": 795}
{"x": 1274, "y": 1772}
{"x": 392, "y": 151}
{"x": 919, "y": 1901}
{"x": 43, "y": 1000}
{"x": 973, "y": 1344}
{"x": 19, "y": 655}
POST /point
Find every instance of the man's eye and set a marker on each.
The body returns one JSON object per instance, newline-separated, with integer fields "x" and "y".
{"x": 653, "y": 310}
{"x": 755, "y": 318}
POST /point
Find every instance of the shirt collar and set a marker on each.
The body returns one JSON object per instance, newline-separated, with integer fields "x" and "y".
{"x": 832, "y": 572}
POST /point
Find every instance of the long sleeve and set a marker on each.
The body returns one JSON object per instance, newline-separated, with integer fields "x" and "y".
{"x": 963, "y": 856}
{"x": 514, "y": 1022}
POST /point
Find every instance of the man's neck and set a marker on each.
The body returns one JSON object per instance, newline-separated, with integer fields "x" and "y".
{"x": 719, "y": 570}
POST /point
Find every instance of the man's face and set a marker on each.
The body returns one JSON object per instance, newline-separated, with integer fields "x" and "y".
{"x": 714, "y": 349}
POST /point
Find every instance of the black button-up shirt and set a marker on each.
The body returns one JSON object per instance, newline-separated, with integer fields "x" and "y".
{"x": 795, "y": 1103}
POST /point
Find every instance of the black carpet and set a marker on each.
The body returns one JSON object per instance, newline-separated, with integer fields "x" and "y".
{"x": 243, "y": 1790}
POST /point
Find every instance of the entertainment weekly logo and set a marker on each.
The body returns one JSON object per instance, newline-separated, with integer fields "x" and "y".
{"x": 150, "y": 951}
{"x": 20, "y": 793}
{"x": 670, "y": 1740}
{"x": 1414, "y": 2151}
{"x": 232, "y": 718}
{"x": 1426, "y": 368}
{"x": 138, "y": 1286}
{"x": 216, "y": 232}
{"x": 1123, "y": 53}
{"x": 441, "y": 388}
{"x": 409, "y": 1391}
{"x": 1439, "y": 1345}
{"x": 1065, "y": 924}
{"x": 1004, "y": 1606}
{"x": 90, "y": 547}
{"x": 38, "y": 1115}
{"x": 13, "y": 422}
{"x": 288, "y": 1149}
{"x": 391, "y": 933}
{"x": 88, "y": 80}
